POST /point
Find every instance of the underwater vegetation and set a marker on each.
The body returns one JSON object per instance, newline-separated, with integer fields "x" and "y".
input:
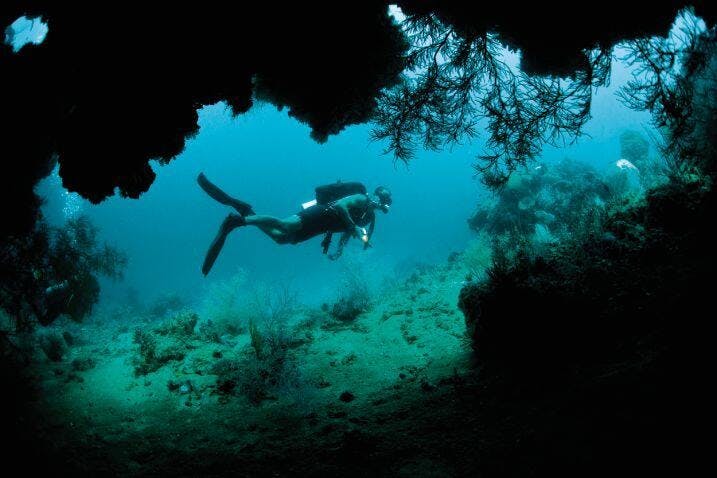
{"x": 459, "y": 79}
{"x": 225, "y": 305}
{"x": 354, "y": 296}
{"x": 174, "y": 334}
{"x": 558, "y": 202}
{"x": 268, "y": 320}
{"x": 572, "y": 335}
{"x": 293, "y": 376}
{"x": 547, "y": 199}
{"x": 608, "y": 325}
{"x": 633, "y": 274}
{"x": 650, "y": 170}
{"x": 54, "y": 271}
{"x": 259, "y": 317}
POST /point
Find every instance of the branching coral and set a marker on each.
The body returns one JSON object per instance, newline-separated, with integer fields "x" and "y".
{"x": 456, "y": 81}
{"x": 227, "y": 305}
{"x": 353, "y": 295}
{"x": 269, "y": 369}
{"x": 55, "y": 271}
{"x": 675, "y": 79}
{"x": 76, "y": 257}
{"x": 611, "y": 291}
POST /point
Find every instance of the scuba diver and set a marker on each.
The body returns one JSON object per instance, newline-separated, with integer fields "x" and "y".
{"x": 343, "y": 207}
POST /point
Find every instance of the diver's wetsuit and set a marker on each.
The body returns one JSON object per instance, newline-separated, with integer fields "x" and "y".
{"x": 315, "y": 220}
{"x": 322, "y": 218}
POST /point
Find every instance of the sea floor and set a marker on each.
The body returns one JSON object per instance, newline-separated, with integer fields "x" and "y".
{"x": 367, "y": 384}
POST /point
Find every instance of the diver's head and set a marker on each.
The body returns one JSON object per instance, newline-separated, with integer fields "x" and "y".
{"x": 383, "y": 196}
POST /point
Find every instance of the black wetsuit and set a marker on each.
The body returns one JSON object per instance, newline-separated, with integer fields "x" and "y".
{"x": 322, "y": 218}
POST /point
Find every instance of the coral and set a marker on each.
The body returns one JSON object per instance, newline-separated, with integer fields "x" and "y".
{"x": 547, "y": 203}
{"x": 228, "y": 305}
{"x": 634, "y": 147}
{"x": 275, "y": 374}
{"x": 180, "y": 326}
{"x": 477, "y": 256}
{"x": 147, "y": 351}
{"x": 354, "y": 296}
{"x": 209, "y": 332}
{"x": 457, "y": 79}
{"x": 150, "y": 355}
{"x": 273, "y": 304}
{"x": 54, "y": 271}
{"x": 346, "y": 309}
{"x": 270, "y": 371}
{"x": 257, "y": 340}
{"x": 681, "y": 99}
{"x": 22, "y": 257}
{"x": 598, "y": 294}
{"x": 226, "y": 371}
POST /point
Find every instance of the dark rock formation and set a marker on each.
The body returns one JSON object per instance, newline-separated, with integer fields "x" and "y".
{"x": 107, "y": 93}
{"x": 552, "y": 36}
{"x": 104, "y": 94}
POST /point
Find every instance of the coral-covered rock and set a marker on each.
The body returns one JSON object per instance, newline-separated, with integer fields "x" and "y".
{"x": 596, "y": 297}
{"x": 155, "y": 350}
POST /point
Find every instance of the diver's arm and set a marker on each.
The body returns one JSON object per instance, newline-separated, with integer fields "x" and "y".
{"x": 340, "y": 249}
{"x": 369, "y": 234}
{"x": 342, "y": 208}
{"x": 345, "y": 216}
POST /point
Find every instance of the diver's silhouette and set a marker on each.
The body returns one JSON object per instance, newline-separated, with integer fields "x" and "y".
{"x": 339, "y": 207}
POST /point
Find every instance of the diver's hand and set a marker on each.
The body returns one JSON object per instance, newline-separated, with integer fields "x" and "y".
{"x": 358, "y": 232}
{"x": 363, "y": 235}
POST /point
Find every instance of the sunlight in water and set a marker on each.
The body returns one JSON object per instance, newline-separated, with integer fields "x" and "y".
{"x": 396, "y": 12}
{"x": 25, "y": 30}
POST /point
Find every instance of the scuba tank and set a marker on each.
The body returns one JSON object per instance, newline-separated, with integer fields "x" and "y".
{"x": 329, "y": 193}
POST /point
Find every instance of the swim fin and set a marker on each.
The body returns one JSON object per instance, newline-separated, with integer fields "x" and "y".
{"x": 230, "y": 223}
{"x": 220, "y": 196}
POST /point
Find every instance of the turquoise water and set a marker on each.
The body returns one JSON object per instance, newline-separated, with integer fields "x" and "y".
{"x": 485, "y": 332}
{"x": 268, "y": 159}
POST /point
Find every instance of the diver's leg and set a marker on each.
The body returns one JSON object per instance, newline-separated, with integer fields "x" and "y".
{"x": 263, "y": 221}
{"x": 231, "y": 222}
{"x": 280, "y": 230}
{"x": 220, "y": 196}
